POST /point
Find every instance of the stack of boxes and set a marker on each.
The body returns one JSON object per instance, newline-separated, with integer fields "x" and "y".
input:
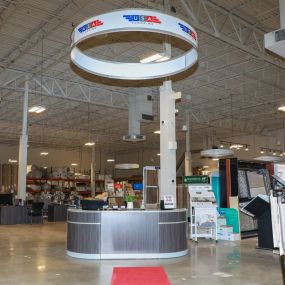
{"x": 225, "y": 232}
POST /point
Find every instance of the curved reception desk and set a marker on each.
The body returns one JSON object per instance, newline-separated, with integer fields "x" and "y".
{"x": 127, "y": 234}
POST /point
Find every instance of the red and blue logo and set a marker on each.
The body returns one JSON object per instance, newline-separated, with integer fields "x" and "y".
{"x": 188, "y": 31}
{"x": 142, "y": 19}
{"x": 90, "y": 25}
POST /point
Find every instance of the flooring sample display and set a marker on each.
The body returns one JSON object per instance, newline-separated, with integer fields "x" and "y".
{"x": 139, "y": 276}
{"x": 243, "y": 187}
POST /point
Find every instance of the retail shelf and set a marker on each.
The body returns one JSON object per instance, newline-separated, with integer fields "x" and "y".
{"x": 60, "y": 179}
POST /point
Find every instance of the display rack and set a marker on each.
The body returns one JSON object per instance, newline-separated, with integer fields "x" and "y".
{"x": 203, "y": 212}
{"x": 151, "y": 185}
{"x": 61, "y": 184}
{"x": 278, "y": 218}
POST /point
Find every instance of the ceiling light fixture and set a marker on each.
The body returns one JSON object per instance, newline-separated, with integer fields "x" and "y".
{"x": 12, "y": 160}
{"x": 44, "y": 153}
{"x": 157, "y": 132}
{"x": 221, "y": 146}
{"x": 281, "y": 108}
{"x": 74, "y": 164}
{"x": 236, "y": 146}
{"x": 89, "y": 143}
{"x": 110, "y": 160}
{"x": 215, "y": 159}
{"x": 158, "y": 154}
{"x": 158, "y": 57}
{"x": 37, "y": 109}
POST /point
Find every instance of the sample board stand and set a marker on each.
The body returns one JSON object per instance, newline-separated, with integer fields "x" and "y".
{"x": 203, "y": 212}
{"x": 259, "y": 207}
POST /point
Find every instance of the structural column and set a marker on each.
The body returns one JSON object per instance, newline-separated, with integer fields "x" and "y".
{"x": 188, "y": 165}
{"x": 282, "y": 13}
{"x": 93, "y": 174}
{"x": 23, "y": 144}
{"x": 168, "y": 144}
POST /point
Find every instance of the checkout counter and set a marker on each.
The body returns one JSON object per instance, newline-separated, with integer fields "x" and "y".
{"x": 127, "y": 234}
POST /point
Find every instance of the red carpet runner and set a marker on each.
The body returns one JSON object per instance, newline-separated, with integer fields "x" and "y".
{"x": 139, "y": 276}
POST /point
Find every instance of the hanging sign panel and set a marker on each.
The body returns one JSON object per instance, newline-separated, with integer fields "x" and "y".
{"x": 134, "y": 20}
{"x": 196, "y": 179}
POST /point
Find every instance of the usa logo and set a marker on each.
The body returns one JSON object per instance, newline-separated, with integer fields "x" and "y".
{"x": 188, "y": 31}
{"x": 90, "y": 25}
{"x": 142, "y": 19}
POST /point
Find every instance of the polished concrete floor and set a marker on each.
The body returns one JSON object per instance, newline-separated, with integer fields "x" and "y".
{"x": 35, "y": 254}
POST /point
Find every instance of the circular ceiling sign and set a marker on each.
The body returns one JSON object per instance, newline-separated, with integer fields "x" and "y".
{"x": 217, "y": 153}
{"x": 127, "y": 166}
{"x": 134, "y": 20}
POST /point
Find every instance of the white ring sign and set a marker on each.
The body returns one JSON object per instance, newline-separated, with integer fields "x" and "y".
{"x": 134, "y": 20}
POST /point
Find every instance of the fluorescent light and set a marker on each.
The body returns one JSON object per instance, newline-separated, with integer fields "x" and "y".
{"x": 215, "y": 159}
{"x": 89, "y": 143}
{"x": 12, "y": 160}
{"x": 236, "y": 146}
{"x": 44, "y": 153}
{"x": 110, "y": 160}
{"x": 158, "y": 154}
{"x": 281, "y": 108}
{"x": 74, "y": 164}
{"x": 158, "y": 57}
{"x": 37, "y": 109}
{"x": 157, "y": 132}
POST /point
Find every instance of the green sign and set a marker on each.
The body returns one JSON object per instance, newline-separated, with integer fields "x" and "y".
{"x": 196, "y": 179}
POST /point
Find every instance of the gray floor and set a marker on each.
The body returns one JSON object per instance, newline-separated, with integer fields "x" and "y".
{"x": 35, "y": 254}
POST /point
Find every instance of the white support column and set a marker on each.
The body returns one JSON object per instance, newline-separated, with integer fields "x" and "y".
{"x": 23, "y": 144}
{"x": 188, "y": 165}
{"x": 93, "y": 172}
{"x": 168, "y": 144}
{"x": 282, "y": 13}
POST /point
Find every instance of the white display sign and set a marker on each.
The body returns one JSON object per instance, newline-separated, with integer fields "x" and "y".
{"x": 169, "y": 202}
{"x": 134, "y": 20}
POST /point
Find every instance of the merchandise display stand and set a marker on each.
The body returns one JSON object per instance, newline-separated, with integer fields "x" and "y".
{"x": 203, "y": 209}
{"x": 278, "y": 215}
{"x": 150, "y": 185}
{"x": 259, "y": 207}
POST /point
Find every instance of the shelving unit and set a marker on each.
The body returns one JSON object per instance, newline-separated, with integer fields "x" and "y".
{"x": 61, "y": 184}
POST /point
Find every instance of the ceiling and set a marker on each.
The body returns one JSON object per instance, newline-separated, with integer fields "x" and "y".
{"x": 235, "y": 90}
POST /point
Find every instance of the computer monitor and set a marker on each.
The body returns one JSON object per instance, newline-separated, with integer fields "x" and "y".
{"x": 6, "y": 199}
